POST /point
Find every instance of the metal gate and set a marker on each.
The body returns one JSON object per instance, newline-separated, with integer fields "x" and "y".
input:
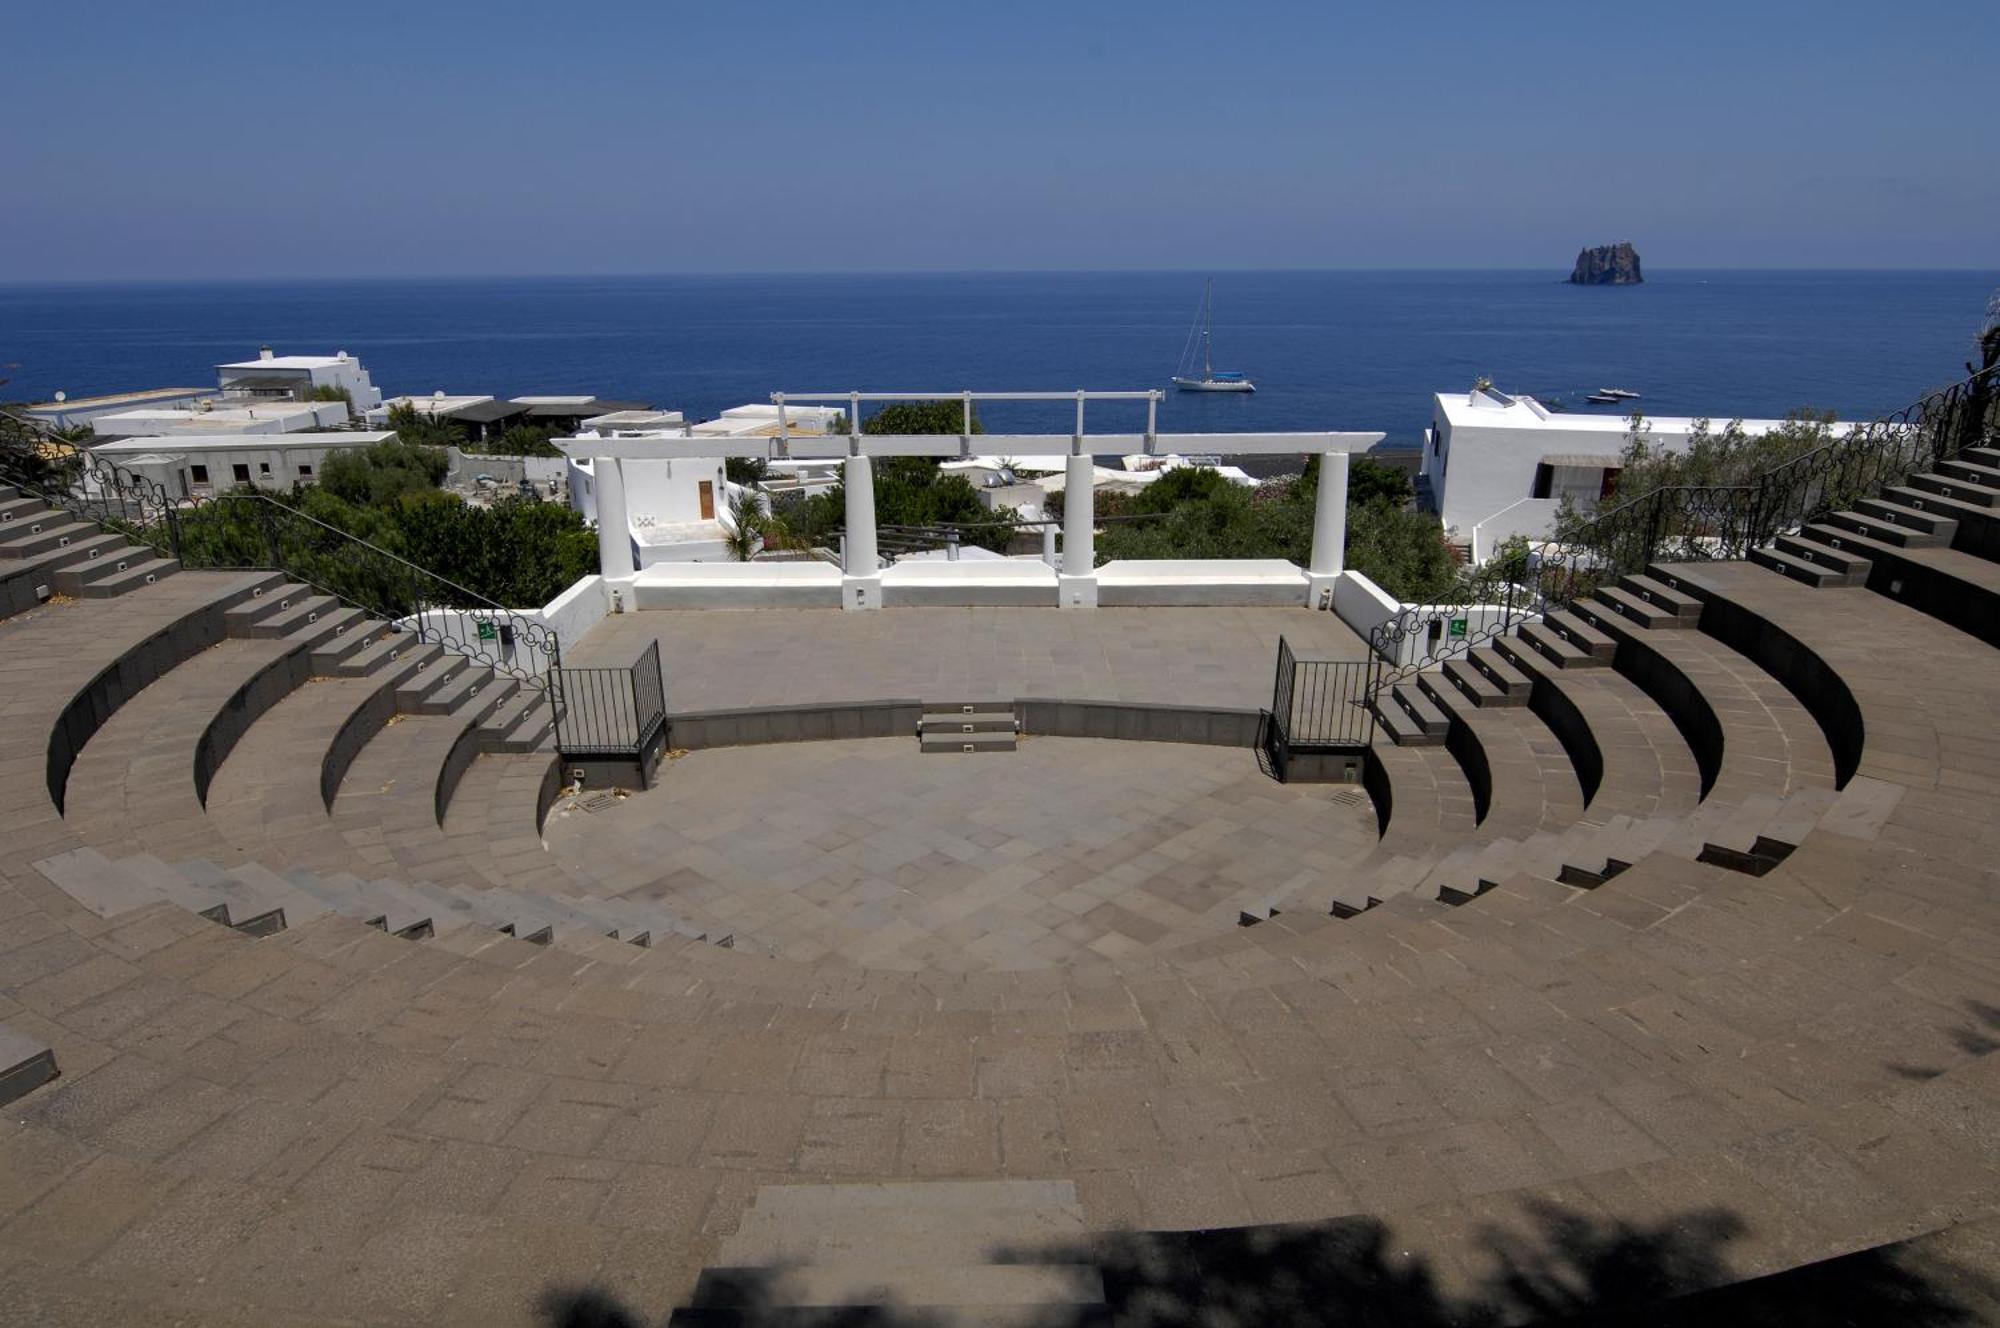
{"x": 610, "y": 712}
{"x": 1318, "y": 705}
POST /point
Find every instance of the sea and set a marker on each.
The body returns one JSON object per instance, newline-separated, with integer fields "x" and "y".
{"x": 1341, "y": 350}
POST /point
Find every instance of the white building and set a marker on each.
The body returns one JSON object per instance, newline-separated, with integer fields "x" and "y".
{"x": 197, "y": 465}
{"x": 67, "y": 412}
{"x": 219, "y": 415}
{"x": 1500, "y": 465}
{"x": 298, "y": 377}
{"x": 436, "y": 406}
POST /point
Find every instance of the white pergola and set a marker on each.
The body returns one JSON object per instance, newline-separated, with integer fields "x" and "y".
{"x": 861, "y": 571}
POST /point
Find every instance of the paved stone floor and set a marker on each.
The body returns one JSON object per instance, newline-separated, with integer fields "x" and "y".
{"x": 872, "y": 851}
{"x": 724, "y": 660}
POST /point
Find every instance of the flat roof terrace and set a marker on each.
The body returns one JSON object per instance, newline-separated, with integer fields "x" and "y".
{"x": 739, "y": 659}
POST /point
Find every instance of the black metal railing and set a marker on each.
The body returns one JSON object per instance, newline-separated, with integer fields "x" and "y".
{"x": 1318, "y": 705}
{"x": 611, "y": 711}
{"x": 250, "y": 530}
{"x": 1697, "y": 522}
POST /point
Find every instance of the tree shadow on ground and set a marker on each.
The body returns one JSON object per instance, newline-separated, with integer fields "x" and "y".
{"x": 1557, "y": 1267}
{"x": 1979, "y": 1036}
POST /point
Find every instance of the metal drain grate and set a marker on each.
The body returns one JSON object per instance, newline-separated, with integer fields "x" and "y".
{"x": 1347, "y": 797}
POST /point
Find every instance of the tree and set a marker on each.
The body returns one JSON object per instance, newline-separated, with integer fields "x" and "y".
{"x": 744, "y": 470}
{"x": 526, "y": 440}
{"x": 746, "y": 520}
{"x": 424, "y": 430}
{"x": 383, "y": 473}
{"x": 1367, "y": 481}
{"x": 915, "y": 417}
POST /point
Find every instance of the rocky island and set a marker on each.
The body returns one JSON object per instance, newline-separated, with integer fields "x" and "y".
{"x": 1607, "y": 265}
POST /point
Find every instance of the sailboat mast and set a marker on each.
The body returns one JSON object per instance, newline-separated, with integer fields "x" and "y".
{"x": 1207, "y": 326}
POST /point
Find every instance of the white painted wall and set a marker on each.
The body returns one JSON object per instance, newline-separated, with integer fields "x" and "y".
{"x": 1364, "y": 606}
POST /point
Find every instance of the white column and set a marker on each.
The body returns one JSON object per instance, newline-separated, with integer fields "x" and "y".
{"x": 1049, "y": 546}
{"x": 614, "y": 529}
{"x": 1329, "y": 547}
{"x": 1077, "y": 586}
{"x": 861, "y": 584}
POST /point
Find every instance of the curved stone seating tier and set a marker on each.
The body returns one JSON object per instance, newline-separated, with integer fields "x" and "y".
{"x": 1749, "y": 733}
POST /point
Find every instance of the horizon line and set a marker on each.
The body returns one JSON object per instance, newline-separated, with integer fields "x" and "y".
{"x": 740, "y": 273}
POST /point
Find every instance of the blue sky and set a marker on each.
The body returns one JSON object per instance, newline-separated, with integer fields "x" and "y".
{"x": 197, "y": 140}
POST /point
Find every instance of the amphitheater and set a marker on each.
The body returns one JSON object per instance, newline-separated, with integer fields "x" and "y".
{"x": 1655, "y": 959}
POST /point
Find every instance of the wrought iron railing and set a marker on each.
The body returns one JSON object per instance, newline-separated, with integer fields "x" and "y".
{"x": 248, "y": 529}
{"x": 1318, "y": 705}
{"x": 1698, "y": 522}
{"x": 611, "y": 711}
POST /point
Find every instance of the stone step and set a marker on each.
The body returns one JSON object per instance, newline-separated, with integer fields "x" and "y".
{"x": 26, "y": 1063}
{"x": 143, "y": 573}
{"x": 463, "y": 687}
{"x": 1652, "y": 590}
{"x": 20, "y": 509}
{"x": 1915, "y": 515}
{"x": 1888, "y": 532}
{"x": 97, "y": 883}
{"x": 1633, "y": 608}
{"x": 1473, "y": 683}
{"x": 273, "y": 891}
{"x": 1551, "y": 646}
{"x": 931, "y": 1316}
{"x": 297, "y": 612}
{"x": 242, "y": 908}
{"x": 1963, "y": 491}
{"x": 100, "y": 559}
{"x": 1799, "y": 568}
{"x": 1583, "y": 634}
{"x": 896, "y": 1237}
{"x": 388, "y": 647}
{"x": 1972, "y": 471}
{"x": 522, "y": 723}
{"x": 989, "y": 1196}
{"x": 240, "y": 620}
{"x": 904, "y": 1284}
{"x": 968, "y": 742}
{"x": 55, "y": 531}
{"x": 1818, "y": 544}
{"x": 969, "y": 721}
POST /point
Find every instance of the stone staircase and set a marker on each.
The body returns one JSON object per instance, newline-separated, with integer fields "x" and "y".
{"x": 45, "y": 552}
{"x": 969, "y": 727}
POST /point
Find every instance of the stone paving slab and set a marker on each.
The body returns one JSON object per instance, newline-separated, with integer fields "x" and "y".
{"x": 1066, "y": 849}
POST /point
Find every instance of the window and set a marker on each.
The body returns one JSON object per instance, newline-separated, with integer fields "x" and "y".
{"x": 241, "y": 470}
{"x": 263, "y": 467}
{"x": 200, "y": 474}
{"x": 1544, "y": 477}
{"x": 305, "y": 472}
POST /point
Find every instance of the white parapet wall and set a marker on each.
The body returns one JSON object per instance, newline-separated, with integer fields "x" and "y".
{"x": 996, "y": 582}
{"x": 1364, "y": 606}
{"x": 758, "y": 585}
{"x": 570, "y": 616}
{"x": 1201, "y": 583}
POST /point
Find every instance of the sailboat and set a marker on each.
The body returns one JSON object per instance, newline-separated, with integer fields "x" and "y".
{"x": 1212, "y": 379}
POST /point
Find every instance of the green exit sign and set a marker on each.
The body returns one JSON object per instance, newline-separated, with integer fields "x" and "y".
{"x": 1457, "y": 627}
{"x": 486, "y": 632}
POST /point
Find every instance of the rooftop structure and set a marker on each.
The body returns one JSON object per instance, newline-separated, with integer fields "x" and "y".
{"x": 67, "y": 412}
{"x": 1499, "y": 464}
{"x": 220, "y": 415}
{"x": 297, "y": 377}
{"x": 192, "y": 465}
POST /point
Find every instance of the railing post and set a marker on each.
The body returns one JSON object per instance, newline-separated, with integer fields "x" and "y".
{"x": 272, "y": 547}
